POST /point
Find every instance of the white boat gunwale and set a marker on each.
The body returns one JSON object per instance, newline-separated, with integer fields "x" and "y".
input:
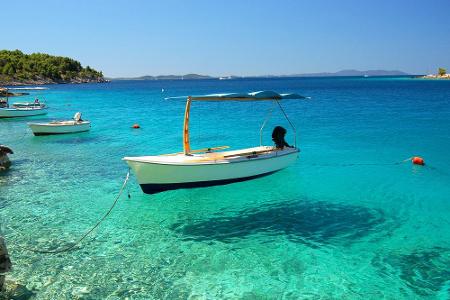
{"x": 61, "y": 123}
{"x": 21, "y": 112}
{"x": 220, "y": 160}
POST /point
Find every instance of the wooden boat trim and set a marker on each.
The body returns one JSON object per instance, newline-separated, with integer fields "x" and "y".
{"x": 186, "y": 144}
{"x": 200, "y": 150}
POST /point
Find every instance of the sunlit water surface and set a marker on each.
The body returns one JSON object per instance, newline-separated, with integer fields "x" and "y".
{"x": 347, "y": 221}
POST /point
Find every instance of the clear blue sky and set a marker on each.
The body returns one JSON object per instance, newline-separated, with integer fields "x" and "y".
{"x": 223, "y": 37}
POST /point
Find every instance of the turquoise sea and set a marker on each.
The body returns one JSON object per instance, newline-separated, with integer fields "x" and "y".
{"x": 347, "y": 221}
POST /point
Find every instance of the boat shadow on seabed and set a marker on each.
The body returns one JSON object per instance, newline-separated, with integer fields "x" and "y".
{"x": 306, "y": 222}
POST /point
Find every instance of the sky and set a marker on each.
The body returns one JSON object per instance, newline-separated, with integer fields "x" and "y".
{"x": 233, "y": 37}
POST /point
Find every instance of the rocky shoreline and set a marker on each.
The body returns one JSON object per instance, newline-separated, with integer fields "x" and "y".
{"x": 433, "y": 76}
{"x": 5, "y": 93}
{"x": 49, "y": 81}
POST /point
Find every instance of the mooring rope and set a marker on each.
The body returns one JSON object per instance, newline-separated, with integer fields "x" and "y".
{"x": 363, "y": 164}
{"x": 27, "y": 131}
{"x": 70, "y": 247}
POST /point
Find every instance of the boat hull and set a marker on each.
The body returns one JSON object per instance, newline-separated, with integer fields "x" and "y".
{"x": 158, "y": 177}
{"x": 21, "y": 112}
{"x": 50, "y": 129}
{"x": 154, "y": 188}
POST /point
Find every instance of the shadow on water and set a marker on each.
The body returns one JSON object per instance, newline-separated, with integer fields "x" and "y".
{"x": 426, "y": 272}
{"x": 310, "y": 223}
{"x": 75, "y": 140}
{"x": 21, "y": 162}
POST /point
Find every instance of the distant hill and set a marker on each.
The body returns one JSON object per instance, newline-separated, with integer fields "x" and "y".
{"x": 168, "y": 77}
{"x": 353, "y": 73}
{"x": 17, "y": 68}
{"x": 323, "y": 74}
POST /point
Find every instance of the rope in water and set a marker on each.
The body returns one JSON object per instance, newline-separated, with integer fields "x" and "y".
{"x": 72, "y": 246}
{"x": 363, "y": 164}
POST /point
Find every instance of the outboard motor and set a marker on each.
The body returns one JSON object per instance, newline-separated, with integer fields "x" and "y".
{"x": 278, "y": 135}
{"x": 77, "y": 117}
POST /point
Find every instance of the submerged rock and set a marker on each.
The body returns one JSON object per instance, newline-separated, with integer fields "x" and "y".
{"x": 80, "y": 292}
{"x": 15, "y": 291}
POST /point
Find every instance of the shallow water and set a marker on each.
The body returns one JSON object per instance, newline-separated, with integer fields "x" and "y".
{"x": 348, "y": 220}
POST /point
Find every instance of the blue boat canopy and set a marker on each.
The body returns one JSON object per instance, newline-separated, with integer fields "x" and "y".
{"x": 254, "y": 96}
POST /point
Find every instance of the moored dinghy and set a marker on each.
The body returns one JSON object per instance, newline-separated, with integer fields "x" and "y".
{"x": 208, "y": 167}
{"x": 21, "y": 109}
{"x": 61, "y": 127}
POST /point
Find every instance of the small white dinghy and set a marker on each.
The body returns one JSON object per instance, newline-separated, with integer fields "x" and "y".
{"x": 21, "y": 109}
{"x": 61, "y": 127}
{"x": 204, "y": 167}
{"x": 22, "y": 112}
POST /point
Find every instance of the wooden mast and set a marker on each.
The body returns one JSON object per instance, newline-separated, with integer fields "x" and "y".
{"x": 186, "y": 145}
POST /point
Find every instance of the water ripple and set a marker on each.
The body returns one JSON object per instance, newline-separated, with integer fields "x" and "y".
{"x": 426, "y": 272}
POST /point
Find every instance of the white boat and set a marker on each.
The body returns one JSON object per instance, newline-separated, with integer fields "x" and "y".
{"x": 208, "y": 167}
{"x": 61, "y": 127}
{"x": 14, "y": 112}
{"x": 24, "y": 109}
{"x": 28, "y": 104}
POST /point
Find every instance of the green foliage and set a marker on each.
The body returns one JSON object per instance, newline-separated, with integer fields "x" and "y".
{"x": 15, "y": 65}
{"x": 442, "y": 71}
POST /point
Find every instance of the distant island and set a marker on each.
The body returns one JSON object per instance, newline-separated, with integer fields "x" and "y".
{"x": 323, "y": 74}
{"x": 166, "y": 77}
{"x": 17, "y": 68}
{"x": 441, "y": 74}
{"x": 351, "y": 72}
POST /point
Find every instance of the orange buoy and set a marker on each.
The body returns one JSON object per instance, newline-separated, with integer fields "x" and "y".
{"x": 418, "y": 160}
{"x": 136, "y": 126}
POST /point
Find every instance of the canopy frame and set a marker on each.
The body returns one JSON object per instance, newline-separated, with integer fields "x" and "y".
{"x": 186, "y": 141}
{"x": 289, "y": 121}
{"x": 268, "y": 116}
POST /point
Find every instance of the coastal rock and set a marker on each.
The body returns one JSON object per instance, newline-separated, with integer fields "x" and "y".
{"x": 15, "y": 291}
{"x": 5, "y": 262}
{"x": 50, "y": 81}
{"x": 5, "y": 163}
{"x": 5, "y": 93}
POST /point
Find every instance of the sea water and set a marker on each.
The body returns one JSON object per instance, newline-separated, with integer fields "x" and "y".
{"x": 349, "y": 220}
